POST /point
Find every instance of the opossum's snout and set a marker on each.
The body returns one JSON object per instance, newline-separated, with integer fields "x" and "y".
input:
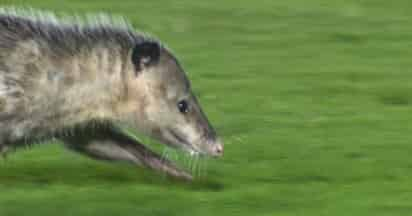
{"x": 191, "y": 131}
{"x": 185, "y": 126}
{"x": 171, "y": 110}
{"x": 215, "y": 148}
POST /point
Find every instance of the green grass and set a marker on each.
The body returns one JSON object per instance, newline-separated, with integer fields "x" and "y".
{"x": 313, "y": 100}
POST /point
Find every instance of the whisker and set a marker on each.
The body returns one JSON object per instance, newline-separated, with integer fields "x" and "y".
{"x": 195, "y": 167}
{"x": 200, "y": 167}
{"x": 163, "y": 158}
{"x": 163, "y": 153}
{"x": 201, "y": 160}
{"x": 193, "y": 159}
{"x": 205, "y": 168}
{"x": 187, "y": 160}
{"x": 174, "y": 155}
{"x": 191, "y": 163}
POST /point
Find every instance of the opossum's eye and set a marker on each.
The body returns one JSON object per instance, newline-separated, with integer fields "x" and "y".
{"x": 183, "y": 106}
{"x": 145, "y": 54}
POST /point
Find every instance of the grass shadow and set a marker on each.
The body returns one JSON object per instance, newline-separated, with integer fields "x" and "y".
{"x": 85, "y": 173}
{"x": 396, "y": 97}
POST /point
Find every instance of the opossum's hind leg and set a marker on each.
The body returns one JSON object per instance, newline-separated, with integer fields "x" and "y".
{"x": 114, "y": 146}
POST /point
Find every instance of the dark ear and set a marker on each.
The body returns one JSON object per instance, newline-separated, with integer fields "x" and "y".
{"x": 145, "y": 54}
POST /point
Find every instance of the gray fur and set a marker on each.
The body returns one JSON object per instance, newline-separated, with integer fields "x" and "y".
{"x": 38, "y": 47}
{"x": 69, "y": 77}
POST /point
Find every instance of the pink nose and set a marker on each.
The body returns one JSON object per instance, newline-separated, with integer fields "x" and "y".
{"x": 218, "y": 149}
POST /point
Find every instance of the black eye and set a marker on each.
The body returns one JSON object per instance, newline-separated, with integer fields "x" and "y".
{"x": 183, "y": 106}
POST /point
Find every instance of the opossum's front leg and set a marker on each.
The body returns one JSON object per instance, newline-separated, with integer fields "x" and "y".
{"x": 115, "y": 146}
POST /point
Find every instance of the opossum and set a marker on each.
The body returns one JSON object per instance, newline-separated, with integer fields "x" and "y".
{"x": 78, "y": 80}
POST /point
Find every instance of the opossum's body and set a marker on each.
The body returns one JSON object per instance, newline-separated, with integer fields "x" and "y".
{"x": 58, "y": 78}
{"x": 53, "y": 77}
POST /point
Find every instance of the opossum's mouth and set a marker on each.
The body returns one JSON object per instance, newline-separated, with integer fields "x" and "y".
{"x": 184, "y": 144}
{"x": 160, "y": 162}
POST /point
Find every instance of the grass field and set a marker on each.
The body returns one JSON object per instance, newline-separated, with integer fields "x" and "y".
{"x": 312, "y": 98}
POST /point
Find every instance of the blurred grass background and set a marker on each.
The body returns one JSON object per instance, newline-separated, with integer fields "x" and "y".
{"x": 313, "y": 100}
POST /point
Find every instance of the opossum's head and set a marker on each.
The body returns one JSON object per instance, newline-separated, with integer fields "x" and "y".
{"x": 166, "y": 107}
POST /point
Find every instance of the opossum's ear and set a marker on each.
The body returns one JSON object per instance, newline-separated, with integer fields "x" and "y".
{"x": 145, "y": 54}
